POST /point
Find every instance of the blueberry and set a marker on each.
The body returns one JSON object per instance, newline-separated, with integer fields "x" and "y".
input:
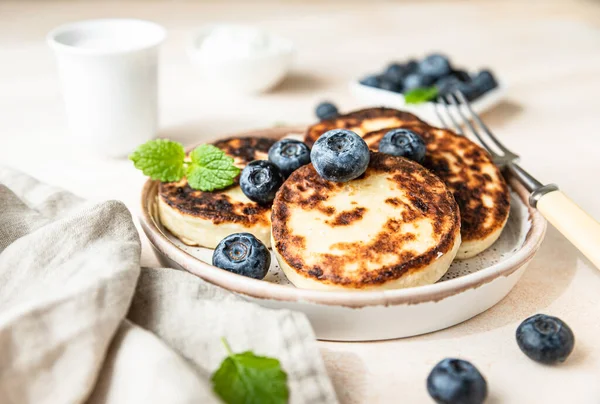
{"x": 416, "y": 80}
{"x": 388, "y": 85}
{"x": 447, "y": 84}
{"x": 243, "y": 254}
{"x": 289, "y": 155}
{"x": 403, "y": 143}
{"x": 461, "y": 75}
{"x": 435, "y": 65}
{"x": 371, "y": 81}
{"x": 455, "y": 381}
{"x": 395, "y": 73}
{"x": 260, "y": 181}
{"x": 326, "y": 110}
{"x": 545, "y": 339}
{"x": 411, "y": 66}
{"x": 340, "y": 155}
{"x": 485, "y": 81}
{"x": 470, "y": 90}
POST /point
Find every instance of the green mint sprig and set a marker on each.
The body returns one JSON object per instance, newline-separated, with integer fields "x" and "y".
{"x": 164, "y": 160}
{"x": 245, "y": 378}
{"x": 420, "y": 95}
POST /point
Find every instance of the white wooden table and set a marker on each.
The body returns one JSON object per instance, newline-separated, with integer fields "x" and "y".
{"x": 547, "y": 52}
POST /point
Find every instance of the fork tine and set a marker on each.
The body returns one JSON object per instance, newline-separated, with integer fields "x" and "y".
{"x": 452, "y": 100}
{"x": 439, "y": 115}
{"x": 467, "y": 122}
{"x": 456, "y": 127}
{"x": 483, "y": 127}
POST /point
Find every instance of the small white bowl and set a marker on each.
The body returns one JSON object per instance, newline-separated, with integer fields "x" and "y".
{"x": 377, "y": 96}
{"x": 248, "y": 74}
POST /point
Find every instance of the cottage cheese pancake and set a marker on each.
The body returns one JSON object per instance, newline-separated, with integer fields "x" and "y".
{"x": 205, "y": 218}
{"x": 474, "y": 180}
{"x": 396, "y": 226}
{"x": 361, "y": 122}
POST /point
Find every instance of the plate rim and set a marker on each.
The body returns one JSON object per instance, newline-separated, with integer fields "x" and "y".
{"x": 354, "y": 299}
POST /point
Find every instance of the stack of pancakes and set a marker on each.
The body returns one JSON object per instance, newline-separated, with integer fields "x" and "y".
{"x": 398, "y": 225}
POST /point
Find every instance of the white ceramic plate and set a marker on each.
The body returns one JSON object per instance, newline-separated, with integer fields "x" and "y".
{"x": 376, "y": 96}
{"x": 469, "y": 288}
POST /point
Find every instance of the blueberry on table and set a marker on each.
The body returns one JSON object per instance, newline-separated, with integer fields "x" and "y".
{"x": 242, "y": 254}
{"x": 289, "y": 155}
{"x": 326, "y": 110}
{"x": 340, "y": 155}
{"x": 403, "y": 143}
{"x": 456, "y": 381}
{"x": 416, "y": 80}
{"x": 545, "y": 339}
{"x": 485, "y": 81}
{"x": 260, "y": 181}
{"x": 395, "y": 73}
{"x": 371, "y": 81}
{"x": 435, "y": 65}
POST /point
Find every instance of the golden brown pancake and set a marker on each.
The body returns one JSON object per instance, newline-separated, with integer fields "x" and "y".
{"x": 361, "y": 122}
{"x": 395, "y": 226}
{"x": 205, "y": 218}
{"x": 474, "y": 180}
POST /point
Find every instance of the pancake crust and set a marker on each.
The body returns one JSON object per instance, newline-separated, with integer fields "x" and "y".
{"x": 474, "y": 180}
{"x": 361, "y": 122}
{"x": 204, "y": 218}
{"x": 395, "y": 226}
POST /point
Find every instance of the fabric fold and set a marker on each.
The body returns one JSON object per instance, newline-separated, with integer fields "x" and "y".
{"x": 69, "y": 276}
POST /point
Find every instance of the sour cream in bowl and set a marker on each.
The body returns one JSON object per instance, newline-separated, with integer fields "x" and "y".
{"x": 240, "y": 58}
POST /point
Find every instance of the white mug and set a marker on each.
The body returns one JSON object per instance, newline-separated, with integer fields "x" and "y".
{"x": 108, "y": 70}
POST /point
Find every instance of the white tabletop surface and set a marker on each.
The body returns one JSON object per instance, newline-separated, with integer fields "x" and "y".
{"x": 548, "y": 54}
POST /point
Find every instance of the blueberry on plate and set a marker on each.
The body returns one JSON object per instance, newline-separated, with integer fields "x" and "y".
{"x": 243, "y": 254}
{"x": 371, "y": 81}
{"x": 340, "y": 155}
{"x": 395, "y": 73}
{"x": 470, "y": 90}
{"x": 289, "y": 155}
{"x": 260, "y": 181}
{"x": 403, "y": 143}
{"x": 416, "y": 80}
{"x": 411, "y": 66}
{"x": 447, "y": 84}
{"x": 456, "y": 381}
{"x": 435, "y": 65}
{"x": 386, "y": 84}
{"x": 545, "y": 339}
{"x": 485, "y": 81}
{"x": 461, "y": 75}
{"x": 326, "y": 110}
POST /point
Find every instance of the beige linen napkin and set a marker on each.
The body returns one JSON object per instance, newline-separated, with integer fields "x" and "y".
{"x": 69, "y": 277}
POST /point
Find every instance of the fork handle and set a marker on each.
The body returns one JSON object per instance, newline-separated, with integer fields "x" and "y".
{"x": 573, "y": 222}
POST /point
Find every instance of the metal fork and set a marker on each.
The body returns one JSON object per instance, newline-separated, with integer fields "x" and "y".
{"x": 455, "y": 112}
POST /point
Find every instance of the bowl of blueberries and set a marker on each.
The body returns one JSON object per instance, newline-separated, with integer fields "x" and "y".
{"x": 435, "y": 71}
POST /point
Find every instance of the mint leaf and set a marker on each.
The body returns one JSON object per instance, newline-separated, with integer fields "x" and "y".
{"x": 246, "y": 378}
{"x": 210, "y": 169}
{"x": 420, "y": 95}
{"x": 160, "y": 159}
